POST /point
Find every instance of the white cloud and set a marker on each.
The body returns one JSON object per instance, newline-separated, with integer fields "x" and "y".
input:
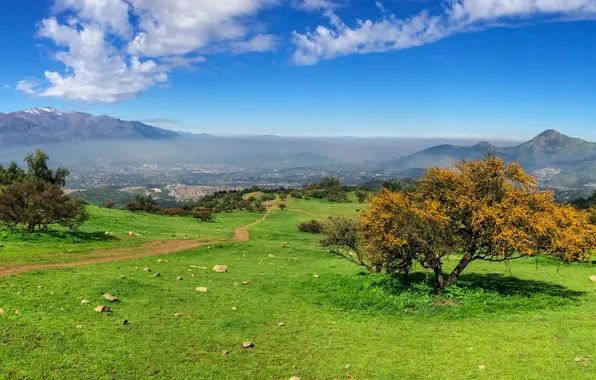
{"x": 114, "y": 50}
{"x": 6, "y": 86}
{"x": 28, "y": 85}
{"x": 380, "y": 6}
{"x": 314, "y": 5}
{"x": 390, "y": 33}
{"x": 109, "y": 14}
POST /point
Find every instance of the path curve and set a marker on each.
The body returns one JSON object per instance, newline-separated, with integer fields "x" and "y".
{"x": 153, "y": 248}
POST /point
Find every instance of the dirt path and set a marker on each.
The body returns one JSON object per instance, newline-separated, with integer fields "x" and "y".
{"x": 153, "y": 248}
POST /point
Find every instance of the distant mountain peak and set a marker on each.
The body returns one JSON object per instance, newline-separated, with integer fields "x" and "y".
{"x": 45, "y": 110}
{"x": 551, "y": 134}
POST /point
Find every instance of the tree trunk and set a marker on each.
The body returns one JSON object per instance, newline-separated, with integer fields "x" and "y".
{"x": 439, "y": 281}
{"x": 467, "y": 259}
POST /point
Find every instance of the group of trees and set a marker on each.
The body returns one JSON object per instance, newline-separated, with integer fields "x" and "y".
{"x": 33, "y": 199}
{"x": 483, "y": 209}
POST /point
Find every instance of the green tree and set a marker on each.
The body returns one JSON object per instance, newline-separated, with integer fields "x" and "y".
{"x": 38, "y": 168}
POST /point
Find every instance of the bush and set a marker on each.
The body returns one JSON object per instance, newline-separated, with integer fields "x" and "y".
{"x": 205, "y": 214}
{"x": 35, "y": 205}
{"x": 173, "y": 212}
{"x": 313, "y": 226}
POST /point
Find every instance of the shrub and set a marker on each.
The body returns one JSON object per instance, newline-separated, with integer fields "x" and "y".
{"x": 313, "y": 226}
{"x": 205, "y": 214}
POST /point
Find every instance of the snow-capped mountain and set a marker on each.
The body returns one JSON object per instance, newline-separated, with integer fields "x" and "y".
{"x": 47, "y": 124}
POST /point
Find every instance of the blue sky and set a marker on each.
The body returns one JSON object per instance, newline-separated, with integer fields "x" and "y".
{"x": 478, "y": 68}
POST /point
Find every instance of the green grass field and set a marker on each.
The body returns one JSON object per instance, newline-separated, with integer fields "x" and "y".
{"x": 528, "y": 320}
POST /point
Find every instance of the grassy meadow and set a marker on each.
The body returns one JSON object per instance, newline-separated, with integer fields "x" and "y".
{"x": 525, "y": 320}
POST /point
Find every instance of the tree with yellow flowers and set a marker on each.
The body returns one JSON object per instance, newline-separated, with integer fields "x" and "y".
{"x": 483, "y": 209}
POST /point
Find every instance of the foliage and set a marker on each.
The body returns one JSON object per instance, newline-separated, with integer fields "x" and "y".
{"x": 11, "y": 174}
{"x": 36, "y": 205}
{"x": 312, "y": 226}
{"x": 282, "y": 206}
{"x": 109, "y": 204}
{"x": 484, "y": 209}
{"x": 204, "y": 214}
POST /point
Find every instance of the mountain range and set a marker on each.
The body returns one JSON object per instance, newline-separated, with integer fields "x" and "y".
{"x": 49, "y": 125}
{"x": 554, "y": 158}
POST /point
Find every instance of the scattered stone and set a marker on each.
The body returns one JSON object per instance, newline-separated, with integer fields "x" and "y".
{"x": 581, "y": 359}
{"x": 137, "y": 268}
{"x": 201, "y": 267}
{"x": 247, "y": 344}
{"x": 157, "y": 274}
{"x": 130, "y": 233}
{"x": 178, "y": 278}
{"x": 452, "y": 257}
{"x": 593, "y": 278}
{"x": 234, "y": 308}
{"x": 481, "y": 366}
{"x": 79, "y": 326}
{"x": 110, "y": 297}
{"x": 85, "y": 301}
{"x": 177, "y": 315}
{"x": 294, "y": 378}
{"x": 202, "y": 289}
{"x": 192, "y": 275}
{"x": 106, "y": 233}
{"x": 409, "y": 310}
{"x": 236, "y": 283}
{"x": 220, "y": 268}
{"x": 125, "y": 322}
{"x": 284, "y": 245}
{"x": 137, "y": 235}
{"x": 225, "y": 352}
{"x": 316, "y": 276}
{"x": 1, "y": 245}
{"x": 146, "y": 269}
{"x": 270, "y": 255}
{"x": 160, "y": 261}
{"x": 1, "y": 311}
{"x": 123, "y": 277}
{"x": 102, "y": 309}
{"x": 17, "y": 312}
{"x": 244, "y": 282}
{"x": 280, "y": 324}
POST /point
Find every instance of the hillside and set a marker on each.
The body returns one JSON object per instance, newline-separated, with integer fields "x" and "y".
{"x": 555, "y": 158}
{"x": 306, "y": 313}
{"x": 49, "y": 125}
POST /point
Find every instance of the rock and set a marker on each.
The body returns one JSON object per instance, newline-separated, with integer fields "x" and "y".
{"x": 202, "y": 289}
{"x": 1, "y": 311}
{"x": 244, "y": 282}
{"x": 270, "y": 255}
{"x": 102, "y": 309}
{"x": 234, "y": 308}
{"x": 146, "y": 269}
{"x": 123, "y": 277}
{"x": 157, "y": 274}
{"x": 225, "y": 352}
{"x": 481, "y": 366}
{"x": 284, "y": 245}
{"x": 581, "y": 359}
{"x": 280, "y": 324}
{"x": 409, "y": 310}
{"x": 125, "y": 322}
{"x": 220, "y": 268}
{"x": 294, "y": 378}
{"x": 106, "y": 233}
{"x": 137, "y": 235}
{"x": 247, "y": 344}
{"x": 593, "y": 278}
{"x": 84, "y": 301}
{"x": 79, "y": 326}
{"x": 192, "y": 275}
{"x": 179, "y": 278}
{"x": 69, "y": 251}
{"x": 160, "y": 261}
{"x": 177, "y": 315}
{"x": 110, "y": 297}
{"x": 316, "y": 276}
{"x": 130, "y": 233}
